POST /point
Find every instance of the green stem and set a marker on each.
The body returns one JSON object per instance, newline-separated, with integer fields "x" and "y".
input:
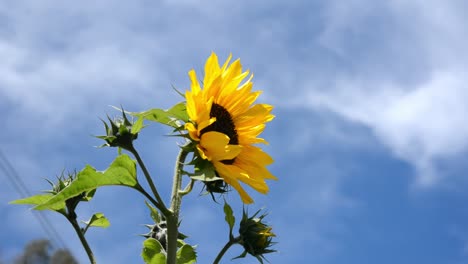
{"x": 231, "y": 242}
{"x": 176, "y": 199}
{"x": 161, "y": 205}
{"x": 82, "y": 238}
{"x": 188, "y": 188}
{"x": 163, "y": 210}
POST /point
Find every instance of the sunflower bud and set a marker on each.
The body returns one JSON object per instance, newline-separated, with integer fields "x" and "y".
{"x": 119, "y": 133}
{"x": 64, "y": 181}
{"x": 206, "y": 173}
{"x": 255, "y": 236}
{"x": 158, "y": 231}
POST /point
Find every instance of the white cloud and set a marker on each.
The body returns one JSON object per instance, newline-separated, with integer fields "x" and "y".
{"x": 420, "y": 119}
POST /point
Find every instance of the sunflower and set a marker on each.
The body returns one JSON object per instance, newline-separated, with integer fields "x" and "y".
{"x": 225, "y": 124}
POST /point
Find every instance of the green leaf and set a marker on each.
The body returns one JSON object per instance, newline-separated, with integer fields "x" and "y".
{"x": 98, "y": 220}
{"x": 153, "y": 252}
{"x": 186, "y": 255}
{"x": 121, "y": 172}
{"x": 179, "y": 111}
{"x": 166, "y": 117}
{"x": 89, "y": 195}
{"x": 154, "y": 213}
{"x": 40, "y": 199}
{"x": 138, "y": 125}
{"x": 229, "y": 216}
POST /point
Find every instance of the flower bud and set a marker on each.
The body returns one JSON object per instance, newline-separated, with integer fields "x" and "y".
{"x": 255, "y": 236}
{"x": 119, "y": 133}
{"x": 159, "y": 232}
{"x": 63, "y": 181}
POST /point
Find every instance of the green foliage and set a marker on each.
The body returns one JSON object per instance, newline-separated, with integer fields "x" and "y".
{"x": 40, "y": 199}
{"x": 229, "y": 217}
{"x": 121, "y": 172}
{"x": 167, "y": 117}
{"x": 186, "y": 255}
{"x": 204, "y": 170}
{"x": 97, "y": 220}
{"x": 154, "y": 213}
{"x": 153, "y": 252}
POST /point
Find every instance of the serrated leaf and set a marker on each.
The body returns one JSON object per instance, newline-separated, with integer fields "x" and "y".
{"x": 40, "y": 199}
{"x": 154, "y": 213}
{"x": 121, "y": 172}
{"x": 153, "y": 252}
{"x": 98, "y": 220}
{"x": 229, "y": 216}
{"x": 186, "y": 255}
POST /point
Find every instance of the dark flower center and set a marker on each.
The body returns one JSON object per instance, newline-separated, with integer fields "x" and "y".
{"x": 223, "y": 124}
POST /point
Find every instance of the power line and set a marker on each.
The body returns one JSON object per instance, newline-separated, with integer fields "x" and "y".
{"x": 20, "y": 187}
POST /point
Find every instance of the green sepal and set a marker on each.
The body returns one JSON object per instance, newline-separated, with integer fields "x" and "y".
{"x": 121, "y": 172}
{"x": 97, "y": 220}
{"x": 243, "y": 255}
{"x": 204, "y": 170}
{"x": 177, "y": 91}
{"x": 229, "y": 217}
{"x": 153, "y": 252}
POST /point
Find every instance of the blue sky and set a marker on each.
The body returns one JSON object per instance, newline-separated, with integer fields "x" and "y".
{"x": 370, "y": 138}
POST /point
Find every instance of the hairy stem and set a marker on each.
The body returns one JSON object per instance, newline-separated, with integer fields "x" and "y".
{"x": 176, "y": 199}
{"x": 231, "y": 242}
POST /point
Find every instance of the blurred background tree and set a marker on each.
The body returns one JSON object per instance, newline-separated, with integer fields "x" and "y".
{"x": 41, "y": 252}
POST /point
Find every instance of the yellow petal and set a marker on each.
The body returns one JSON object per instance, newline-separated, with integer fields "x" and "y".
{"x": 256, "y": 154}
{"x": 215, "y": 146}
{"x": 254, "y": 169}
{"x": 195, "y": 84}
{"x": 206, "y": 123}
{"x": 230, "y": 174}
{"x": 226, "y": 62}
{"x": 193, "y": 131}
{"x": 211, "y": 66}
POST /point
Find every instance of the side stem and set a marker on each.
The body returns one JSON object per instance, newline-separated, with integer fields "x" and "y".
{"x": 150, "y": 181}
{"x": 176, "y": 199}
{"x": 82, "y": 238}
{"x": 231, "y": 242}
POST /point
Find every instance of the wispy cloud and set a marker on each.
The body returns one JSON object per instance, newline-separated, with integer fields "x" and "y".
{"x": 421, "y": 118}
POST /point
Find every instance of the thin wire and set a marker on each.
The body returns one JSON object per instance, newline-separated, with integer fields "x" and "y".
{"x": 20, "y": 187}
